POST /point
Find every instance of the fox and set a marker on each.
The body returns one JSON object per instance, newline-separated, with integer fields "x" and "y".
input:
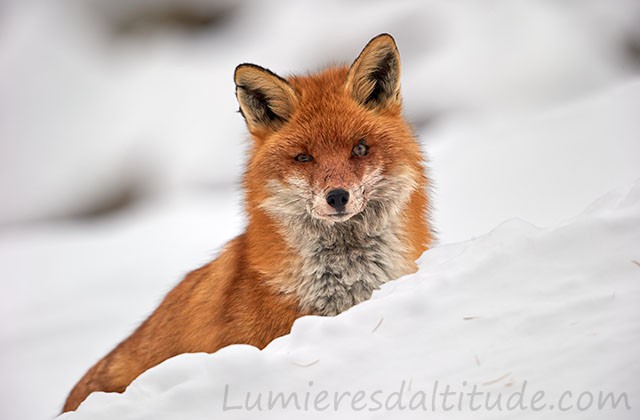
{"x": 336, "y": 199}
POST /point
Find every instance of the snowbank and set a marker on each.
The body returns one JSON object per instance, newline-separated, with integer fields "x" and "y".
{"x": 550, "y": 310}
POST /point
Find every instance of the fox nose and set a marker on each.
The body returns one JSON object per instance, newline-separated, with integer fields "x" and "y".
{"x": 338, "y": 198}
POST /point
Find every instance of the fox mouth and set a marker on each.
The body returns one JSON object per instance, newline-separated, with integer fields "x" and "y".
{"x": 337, "y": 217}
{"x": 340, "y": 216}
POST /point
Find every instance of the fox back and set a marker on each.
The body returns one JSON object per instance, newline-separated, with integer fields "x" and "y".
{"x": 336, "y": 203}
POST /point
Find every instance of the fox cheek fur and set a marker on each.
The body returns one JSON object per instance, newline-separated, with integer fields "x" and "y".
{"x": 336, "y": 204}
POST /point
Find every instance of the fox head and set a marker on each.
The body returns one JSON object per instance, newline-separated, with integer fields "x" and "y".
{"x": 331, "y": 148}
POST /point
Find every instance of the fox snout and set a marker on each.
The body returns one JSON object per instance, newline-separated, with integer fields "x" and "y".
{"x": 337, "y": 204}
{"x": 338, "y": 199}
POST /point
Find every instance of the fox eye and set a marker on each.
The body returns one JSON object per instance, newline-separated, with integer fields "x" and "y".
{"x": 360, "y": 149}
{"x": 303, "y": 158}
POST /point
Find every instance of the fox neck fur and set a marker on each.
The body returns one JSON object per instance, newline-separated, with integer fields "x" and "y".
{"x": 338, "y": 265}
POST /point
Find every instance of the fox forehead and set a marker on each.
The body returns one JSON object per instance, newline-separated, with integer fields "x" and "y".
{"x": 326, "y": 119}
{"x": 320, "y": 88}
{"x": 325, "y": 113}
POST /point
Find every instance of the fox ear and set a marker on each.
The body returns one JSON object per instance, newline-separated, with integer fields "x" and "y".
{"x": 374, "y": 78}
{"x": 266, "y": 100}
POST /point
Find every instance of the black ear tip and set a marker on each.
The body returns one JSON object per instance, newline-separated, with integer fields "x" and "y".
{"x": 384, "y": 35}
{"x": 250, "y": 67}
{"x": 385, "y": 38}
{"x": 384, "y": 42}
{"x": 244, "y": 67}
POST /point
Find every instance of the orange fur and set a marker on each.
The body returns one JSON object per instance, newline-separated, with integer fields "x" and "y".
{"x": 243, "y": 296}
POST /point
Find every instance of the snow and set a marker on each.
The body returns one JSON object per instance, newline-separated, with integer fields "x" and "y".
{"x": 525, "y": 110}
{"x": 544, "y": 167}
{"x": 555, "y": 308}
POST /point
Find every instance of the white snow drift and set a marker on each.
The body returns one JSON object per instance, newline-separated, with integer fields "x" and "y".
{"x": 547, "y": 315}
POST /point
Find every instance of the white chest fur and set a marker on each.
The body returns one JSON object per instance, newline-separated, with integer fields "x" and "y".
{"x": 343, "y": 263}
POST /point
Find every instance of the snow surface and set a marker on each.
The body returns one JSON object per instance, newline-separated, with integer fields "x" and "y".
{"x": 526, "y": 109}
{"x": 555, "y": 308}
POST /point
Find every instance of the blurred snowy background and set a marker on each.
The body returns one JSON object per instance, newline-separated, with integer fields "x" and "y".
{"x": 121, "y": 148}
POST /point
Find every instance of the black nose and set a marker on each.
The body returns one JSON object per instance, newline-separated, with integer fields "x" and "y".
{"x": 338, "y": 198}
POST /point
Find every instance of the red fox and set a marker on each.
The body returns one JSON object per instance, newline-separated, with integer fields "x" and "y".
{"x": 336, "y": 203}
